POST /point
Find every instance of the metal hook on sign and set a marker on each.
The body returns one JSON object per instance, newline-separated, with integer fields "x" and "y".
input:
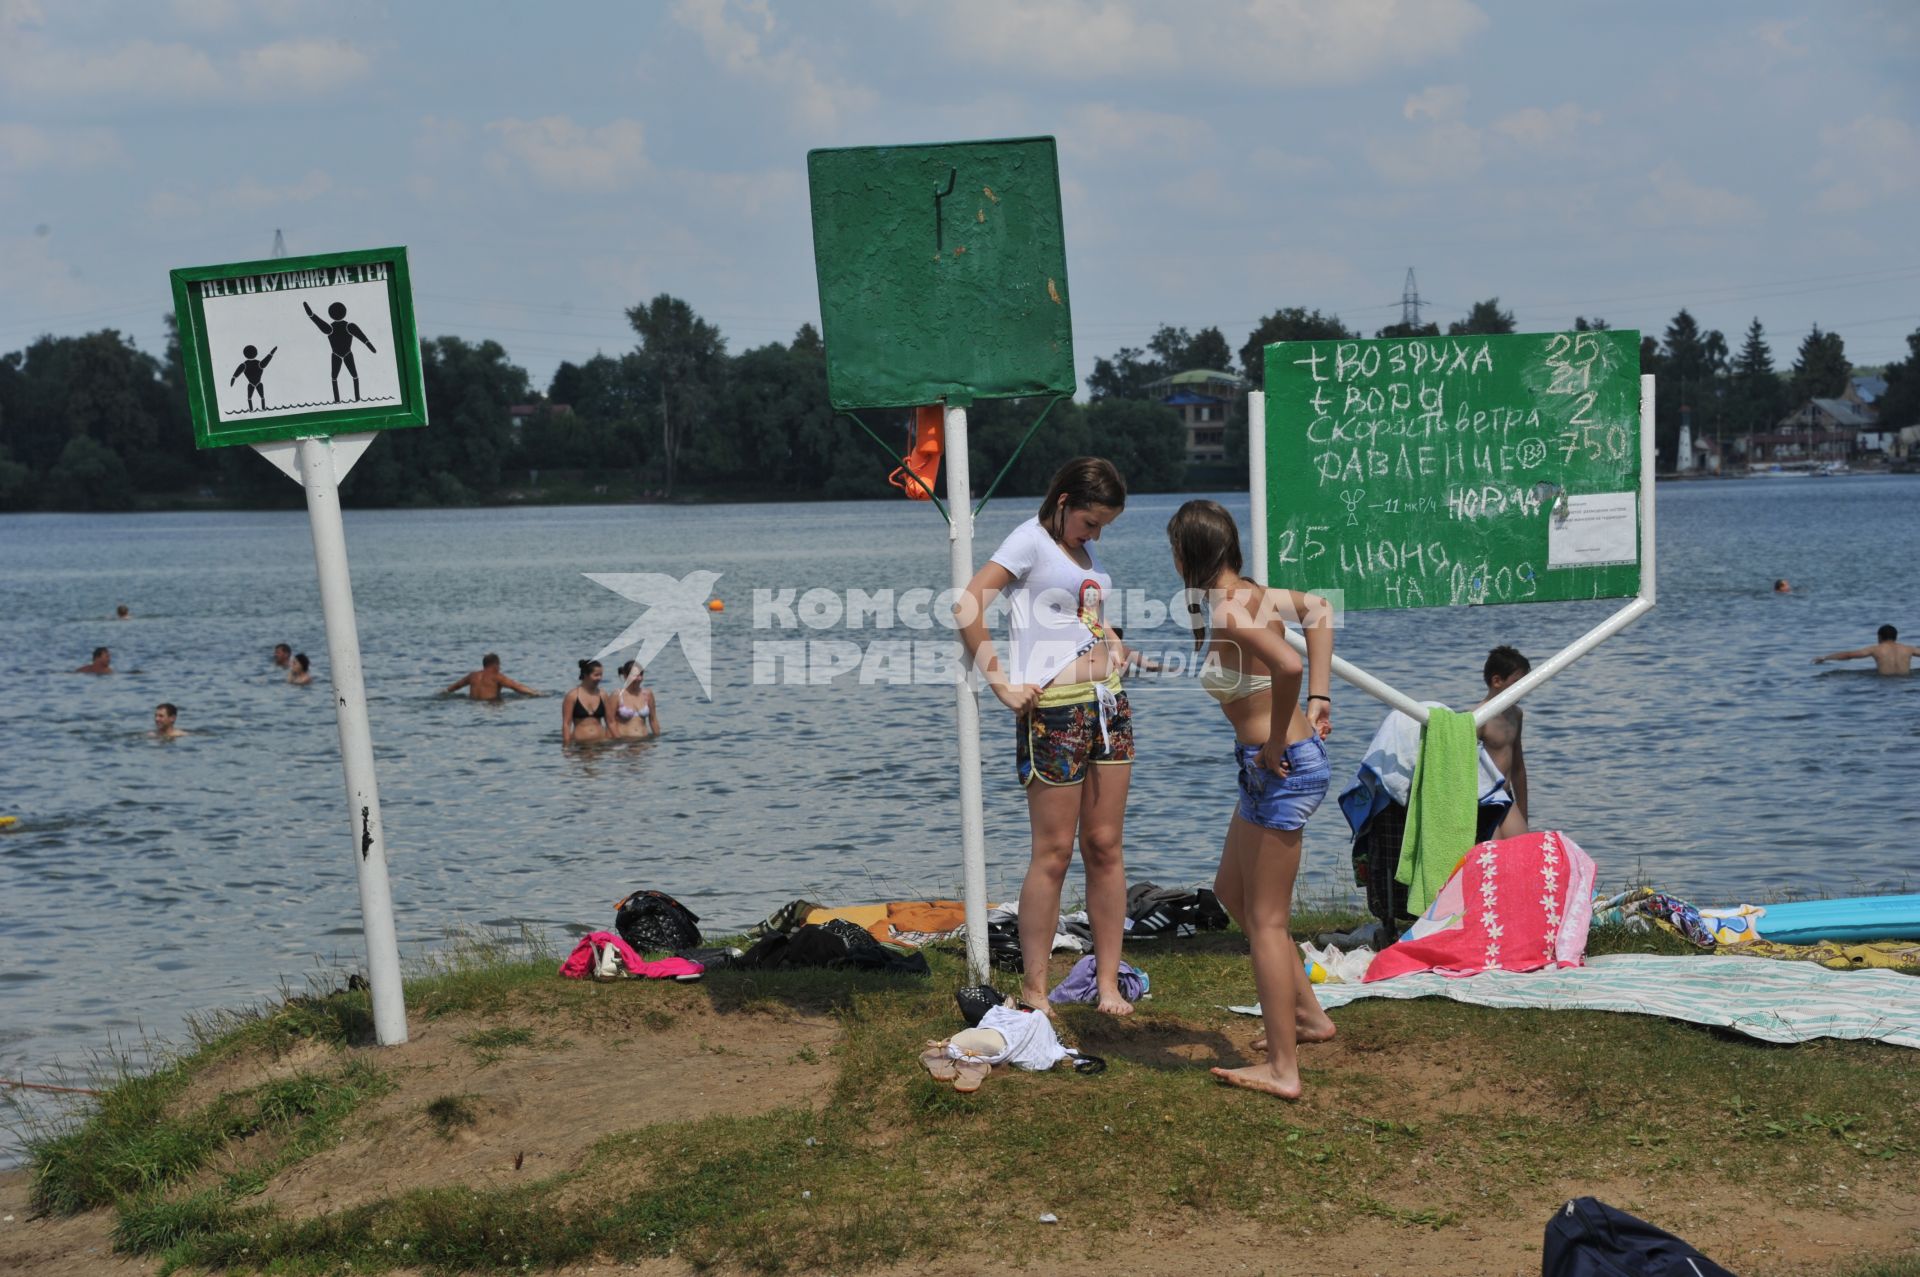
{"x": 939, "y": 232}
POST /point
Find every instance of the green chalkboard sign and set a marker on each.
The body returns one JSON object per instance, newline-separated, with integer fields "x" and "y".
{"x": 943, "y": 272}
{"x": 1439, "y": 471}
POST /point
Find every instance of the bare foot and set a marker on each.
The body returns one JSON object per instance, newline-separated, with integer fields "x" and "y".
{"x": 1304, "y": 1033}
{"x": 1113, "y": 1004}
{"x": 1263, "y": 1078}
{"x": 1037, "y": 1002}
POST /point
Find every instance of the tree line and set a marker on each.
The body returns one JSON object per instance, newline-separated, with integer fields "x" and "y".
{"x": 92, "y": 422}
{"x": 1729, "y": 393}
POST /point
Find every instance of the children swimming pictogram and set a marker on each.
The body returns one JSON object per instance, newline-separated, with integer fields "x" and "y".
{"x": 340, "y": 335}
{"x": 253, "y": 367}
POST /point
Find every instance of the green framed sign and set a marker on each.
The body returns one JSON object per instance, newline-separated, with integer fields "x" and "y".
{"x": 943, "y": 272}
{"x": 1442, "y": 471}
{"x": 299, "y": 347}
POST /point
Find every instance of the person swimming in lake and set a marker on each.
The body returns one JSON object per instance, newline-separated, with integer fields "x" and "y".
{"x": 485, "y": 683}
{"x": 166, "y": 718}
{"x": 102, "y": 663}
{"x": 123, "y": 613}
{"x": 282, "y": 656}
{"x": 300, "y": 673}
{"x": 583, "y": 713}
{"x": 1888, "y": 656}
{"x": 636, "y": 715}
{"x": 1249, "y": 668}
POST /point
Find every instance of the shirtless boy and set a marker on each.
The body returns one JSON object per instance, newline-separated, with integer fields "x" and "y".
{"x": 1501, "y": 735}
{"x": 102, "y": 663}
{"x": 1888, "y": 656}
{"x": 484, "y": 684}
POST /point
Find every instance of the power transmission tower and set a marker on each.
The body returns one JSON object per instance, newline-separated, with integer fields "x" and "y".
{"x": 1410, "y": 303}
{"x": 280, "y": 246}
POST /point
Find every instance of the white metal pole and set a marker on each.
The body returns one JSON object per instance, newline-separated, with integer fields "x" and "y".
{"x": 1257, "y": 480}
{"x": 973, "y": 836}
{"x": 1649, "y": 582}
{"x": 318, "y": 476}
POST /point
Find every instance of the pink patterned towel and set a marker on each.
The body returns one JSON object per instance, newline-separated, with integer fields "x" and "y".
{"x": 1518, "y": 904}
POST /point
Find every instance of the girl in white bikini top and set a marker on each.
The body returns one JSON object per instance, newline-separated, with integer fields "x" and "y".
{"x": 634, "y": 707}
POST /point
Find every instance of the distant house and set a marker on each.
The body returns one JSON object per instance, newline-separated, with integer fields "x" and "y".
{"x": 1203, "y": 397}
{"x": 1818, "y": 430}
{"x": 1865, "y": 392}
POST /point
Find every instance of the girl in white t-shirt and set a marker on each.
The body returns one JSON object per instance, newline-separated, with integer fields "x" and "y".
{"x": 1073, "y": 727}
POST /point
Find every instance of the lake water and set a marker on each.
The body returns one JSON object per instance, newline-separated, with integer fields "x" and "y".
{"x": 147, "y": 880}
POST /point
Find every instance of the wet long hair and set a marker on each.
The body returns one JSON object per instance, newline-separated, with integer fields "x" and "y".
{"x": 1205, "y": 541}
{"x": 1084, "y": 482}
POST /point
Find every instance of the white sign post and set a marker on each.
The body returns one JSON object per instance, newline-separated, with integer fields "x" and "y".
{"x": 329, "y": 355}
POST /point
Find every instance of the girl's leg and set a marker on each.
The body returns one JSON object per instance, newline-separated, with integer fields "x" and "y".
{"x": 1103, "y": 810}
{"x": 1310, "y": 1021}
{"x": 1052, "y": 811}
{"x": 1268, "y": 860}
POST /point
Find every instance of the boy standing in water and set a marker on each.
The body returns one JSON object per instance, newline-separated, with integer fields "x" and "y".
{"x": 1888, "y": 656}
{"x": 1501, "y": 735}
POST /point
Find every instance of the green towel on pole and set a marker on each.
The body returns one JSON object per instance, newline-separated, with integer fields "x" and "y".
{"x": 1442, "y": 806}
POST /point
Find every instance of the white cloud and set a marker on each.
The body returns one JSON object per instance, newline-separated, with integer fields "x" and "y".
{"x": 818, "y": 101}
{"x": 1674, "y": 199}
{"x": 25, "y": 146}
{"x": 1279, "y": 43}
{"x": 1445, "y": 152}
{"x": 245, "y": 196}
{"x": 1777, "y": 34}
{"x": 1440, "y": 102}
{"x": 1271, "y": 161}
{"x": 219, "y": 15}
{"x": 33, "y": 66}
{"x": 560, "y": 152}
{"x": 1544, "y": 129}
{"x": 1100, "y": 130}
{"x": 1865, "y": 160}
{"x": 301, "y": 66}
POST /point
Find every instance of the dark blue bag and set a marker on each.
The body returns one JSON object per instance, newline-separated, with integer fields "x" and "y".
{"x": 1588, "y": 1238}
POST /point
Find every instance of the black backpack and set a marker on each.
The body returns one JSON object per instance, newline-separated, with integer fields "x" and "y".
{"x": 1588, "y": 1238}
{"x": 654, "y": 922}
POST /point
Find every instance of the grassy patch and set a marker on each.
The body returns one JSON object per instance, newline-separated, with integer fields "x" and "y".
{"x": 135, "y": 1146}
{"x": 1423, "y": 1114}
{"x": 449, "y": 1113}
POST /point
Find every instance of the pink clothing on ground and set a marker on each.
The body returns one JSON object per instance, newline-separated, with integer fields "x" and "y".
{"x": 1518, "y": 904}
{"x": 580, "y": 963}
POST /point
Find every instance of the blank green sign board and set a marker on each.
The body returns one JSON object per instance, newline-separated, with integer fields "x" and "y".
{"x": 299, "y": 347}
{"x": 1438, "y": 471}
{"x": 943, "y": 272}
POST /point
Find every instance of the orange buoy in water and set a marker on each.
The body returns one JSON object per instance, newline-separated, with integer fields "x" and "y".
{"x": 715, "y": 605}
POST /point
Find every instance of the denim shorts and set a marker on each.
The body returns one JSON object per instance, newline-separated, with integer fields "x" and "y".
{"x": 1283, "y": 802}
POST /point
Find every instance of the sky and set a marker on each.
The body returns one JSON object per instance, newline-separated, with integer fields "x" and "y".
{"x": 547, "y": 166}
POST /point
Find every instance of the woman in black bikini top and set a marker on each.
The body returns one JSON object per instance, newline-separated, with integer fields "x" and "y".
{"x": 583, "y": 714}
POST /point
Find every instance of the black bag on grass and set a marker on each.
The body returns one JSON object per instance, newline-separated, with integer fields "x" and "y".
{"x": 1588, "y": 1238}
{"x": 654, "y": 922}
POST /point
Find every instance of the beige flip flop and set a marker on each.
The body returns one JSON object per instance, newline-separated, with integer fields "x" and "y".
{"x": 938, "y": 1063}
{"x": 969, "y": 1074}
